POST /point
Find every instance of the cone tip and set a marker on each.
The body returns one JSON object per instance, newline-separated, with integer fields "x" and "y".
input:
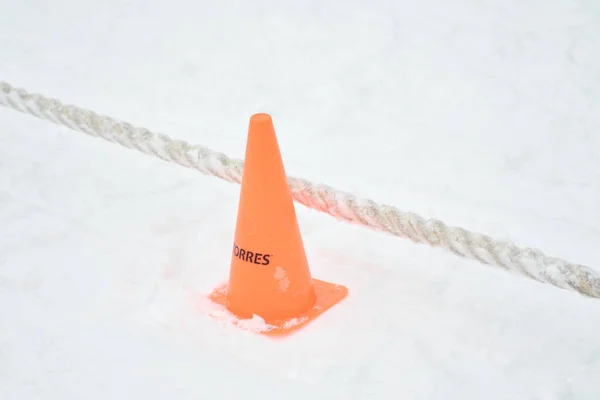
{"x": 261, "y": 123}
{"x": 260, "y": 118}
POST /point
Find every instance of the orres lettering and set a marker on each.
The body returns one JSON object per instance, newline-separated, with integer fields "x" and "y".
{"x": 251, "y": 256}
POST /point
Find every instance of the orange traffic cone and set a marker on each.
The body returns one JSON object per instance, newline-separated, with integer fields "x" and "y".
{"x": 269, "y": 274}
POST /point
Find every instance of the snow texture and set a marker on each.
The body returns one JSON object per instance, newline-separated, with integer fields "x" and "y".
{"x": 482, "y": 114}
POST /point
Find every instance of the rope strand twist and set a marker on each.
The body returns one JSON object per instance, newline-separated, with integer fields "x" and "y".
{"x": 344, "y": 206}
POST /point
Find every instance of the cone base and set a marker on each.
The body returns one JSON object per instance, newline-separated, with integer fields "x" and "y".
{"x": 327, "y": 295}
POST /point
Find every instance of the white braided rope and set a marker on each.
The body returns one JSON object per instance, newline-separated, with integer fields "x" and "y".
{"x": 344, "y": 206}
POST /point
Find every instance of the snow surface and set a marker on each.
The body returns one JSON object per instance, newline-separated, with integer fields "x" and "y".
{"x": 484, "y": 114}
